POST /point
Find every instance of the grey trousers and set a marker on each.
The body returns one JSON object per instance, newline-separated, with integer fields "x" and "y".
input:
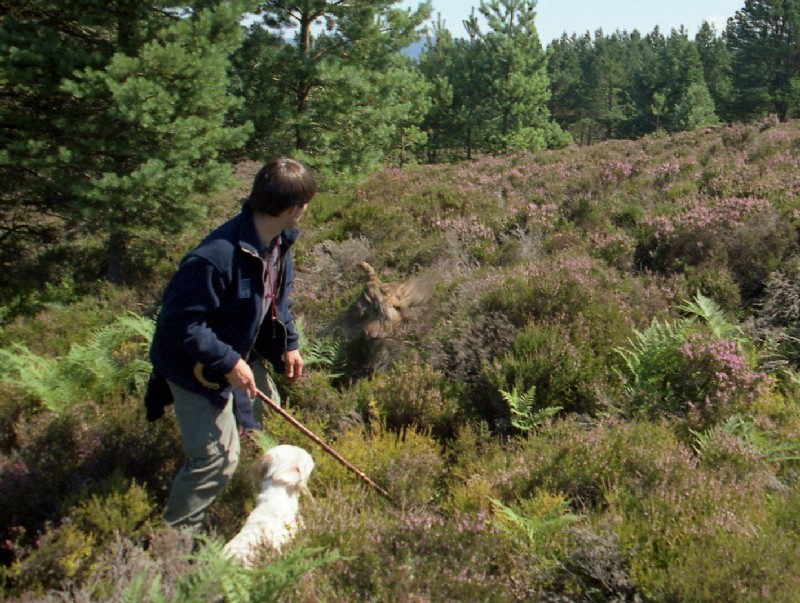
{"x": 211, "y": 445}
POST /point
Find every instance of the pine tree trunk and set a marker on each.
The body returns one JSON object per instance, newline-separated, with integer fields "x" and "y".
{"x": 115, "y": 257}
{"x": 301, "y": 106}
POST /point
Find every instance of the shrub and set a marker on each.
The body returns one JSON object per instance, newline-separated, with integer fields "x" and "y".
{"x": 721, "y": 448}
{"x": 725, "y": 567}
{"x": 536, "y": 523}
{"x": 69, "y": 552}
{"x": 561, "y": 362}
{"x": 779, "y": 310}
{"x": 412, "y": 395}
{"x": 717, "y": 282}
{"x": 594, "y": 567}
{"x": 475, "y": 458}
{"x": 459, "y": 349}
{"x": 719, "y": 540}
{"x": 616, "y": 248}
{"x": 739, "y": 446}
{"x": 63, "y": 554}
{"x": 744, "y": 234}
{"x": 126, "y": 511}
{"x": 99, "y": 443}
{"x": 216, "y": 577}
{"x": 413, "y": 555}
{"x": 690, "y": 369}
{"x": 409, "y": 466}
{"x": 716, "y": 378}
{"x": 662, "y": 502}
{"x": 545, "y": 290}
{"x": 317, "y": 397}
{"x": 781, "y": 304}
{"x": 589, "y": 463}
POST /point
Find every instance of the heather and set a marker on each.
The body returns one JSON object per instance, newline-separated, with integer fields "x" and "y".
{"x": 599, "y": 401}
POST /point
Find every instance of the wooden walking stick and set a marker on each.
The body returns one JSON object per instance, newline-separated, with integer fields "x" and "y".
{"x": 323, "y": 445}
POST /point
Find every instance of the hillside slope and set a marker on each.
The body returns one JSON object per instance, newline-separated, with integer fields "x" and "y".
{"x": 595, "y": 399}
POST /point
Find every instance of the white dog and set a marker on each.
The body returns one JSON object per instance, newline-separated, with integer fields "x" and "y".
{"x": 283, "y": 473}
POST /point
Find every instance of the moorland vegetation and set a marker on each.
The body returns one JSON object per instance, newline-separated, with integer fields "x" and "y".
{"x": 599, "y": 402}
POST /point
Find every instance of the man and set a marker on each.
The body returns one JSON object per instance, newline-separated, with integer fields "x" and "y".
{"x": 225, "y": 311}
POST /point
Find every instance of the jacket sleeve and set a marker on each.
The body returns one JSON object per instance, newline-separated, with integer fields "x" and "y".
{"x": 192, "y": 296}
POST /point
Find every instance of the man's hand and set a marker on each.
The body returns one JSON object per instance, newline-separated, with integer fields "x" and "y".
{"x": 242, "y": 377}
{"x": 293, "y": 365}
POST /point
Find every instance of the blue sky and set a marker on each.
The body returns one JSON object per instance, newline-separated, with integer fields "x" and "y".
{"x": 553, "y": 17}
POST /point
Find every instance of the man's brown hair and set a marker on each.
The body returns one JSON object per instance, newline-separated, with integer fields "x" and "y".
{"x": 280, "y": 184}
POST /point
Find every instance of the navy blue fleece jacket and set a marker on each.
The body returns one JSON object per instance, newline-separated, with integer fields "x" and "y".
{"x": 212, "y": 309}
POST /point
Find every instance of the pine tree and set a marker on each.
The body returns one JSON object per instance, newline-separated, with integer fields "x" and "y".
{"x": 471, "y": 80}
{"x": 646, "y": 86}
{"x": 607, "y": 81}
{"x": 410, "y": 101}
{"x": 114, "y": 115}
{"x": 436, "y": 65}
{"x": 764, "y": 40}
{"x": 716, "y": 60}
{"x": 519, "y": 89}
{"x": 335, "y": 78}
{"x": 666, "y": 68}
{"x": 587, "y": 122}
{"x": 566, "y": 77}
{"x": 696, "y": 108}
{"x": 257, "y": 80}
{"x": 680, "y": 69}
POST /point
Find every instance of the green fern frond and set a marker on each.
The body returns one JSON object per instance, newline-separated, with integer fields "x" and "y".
{"x": 271, "y": 581}
{"x": 712, "y": 314}
{"x": 517, "y": 400}
{"x": 142, "y": 590}
{"x": 154, "y": 594}
{"x": 216, "y": 576}
{"x": 649, "y": 348}
{"x": 536, "y": 531}
{"x": 327, "y": 354}
{"x": 38, "y": 377}
{"x": 738, "y": 426}
{"x": 523, "y": 416}
{"x": 136, "y": 591}
{"x": 112, "y": 361}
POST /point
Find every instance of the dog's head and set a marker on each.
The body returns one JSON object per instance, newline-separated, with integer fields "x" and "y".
{"x": 289, "y": 466}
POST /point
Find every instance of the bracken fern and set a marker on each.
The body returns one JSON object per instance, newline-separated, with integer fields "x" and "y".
{"x": 697, "y": 360}
{"x": 217, "y": 577}
{"x": 536, "y": 529}
{"x": 738, "y": 426}
{"x": 113, "y": 361}
{"x": 712, "y": 315}
{"x": 523, "y": 415}
{"x": 327, "y": 354}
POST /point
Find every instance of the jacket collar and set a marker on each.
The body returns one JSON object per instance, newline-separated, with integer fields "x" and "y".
{"x": 248, "y": 236}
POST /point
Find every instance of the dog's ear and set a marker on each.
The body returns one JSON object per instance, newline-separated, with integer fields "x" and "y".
{"x": 292, "y": 467}
{"x": 260, "y": 469}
